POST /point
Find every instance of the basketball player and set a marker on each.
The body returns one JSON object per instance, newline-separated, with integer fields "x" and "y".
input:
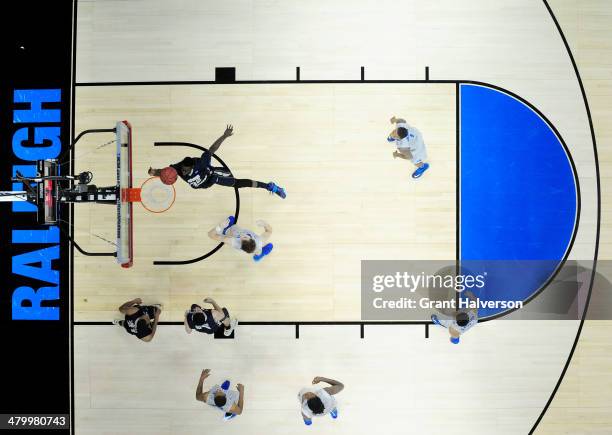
{"x": 461, "y": 322}
{"x": 231, "y": 402}
{"x": 317, "y": 402}
{"x": 209, "y": 321}
{"x": 140, "y": 320}
{"x": 200, "y": 174}
{"x": 240, "y": 238}
{"x": 410, "y": 145}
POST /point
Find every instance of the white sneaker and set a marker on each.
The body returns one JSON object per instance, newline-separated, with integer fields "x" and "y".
{"x": 232, "y": 326}
{"x": 116, "y": 322}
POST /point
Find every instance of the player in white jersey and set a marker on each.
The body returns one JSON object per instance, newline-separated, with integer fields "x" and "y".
{"x": 242, "y": 239}
{"x": 231, "y": 402}
{"x": 460, "y": 323}
{"x": 410, "y": 145}
{"x": 317, "y": 402}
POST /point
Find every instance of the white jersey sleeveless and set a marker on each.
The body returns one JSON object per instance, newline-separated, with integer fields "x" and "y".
{"x": 236, "y": 232}
{"x": 329, "y": 403}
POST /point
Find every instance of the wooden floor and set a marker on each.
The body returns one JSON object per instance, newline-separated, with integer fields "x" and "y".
{"x": 348, "y": 198}
{"x": 508, "y": 368}
{"x": 583, "y": 400}
{"x": 394, "y": 377}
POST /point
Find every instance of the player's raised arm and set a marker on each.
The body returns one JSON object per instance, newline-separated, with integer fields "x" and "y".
{"x": 213, "y": 303}
{"x": 186, "y": 325}
{"x": 239, "y": 407}
{"x": 229, "y": 130}
{"x": 395, "y": 120}
{"x": 129, "y": 304}
{"x": 200, "y": 395}
{"x": 154, "y": 172}
{"x": 336, "y": 386}
{"x": 213, "y": 234}
{"x": 267, "y": 229}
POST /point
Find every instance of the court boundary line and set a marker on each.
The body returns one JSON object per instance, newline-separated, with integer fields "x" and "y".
{"x": 597, "y": 180}
{"x": 598, "y": 184}
{"x": 72, "y": 408}
{"x": 457, "y": 83}
{"x": 296, "y": 324}
{"x": 298, "y": 80}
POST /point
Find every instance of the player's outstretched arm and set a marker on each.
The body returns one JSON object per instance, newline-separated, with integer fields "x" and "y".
{"x": 129, "y": 304}
{"x": 213, "y": 303}
{"x": 267, "y": 229}
{"x": 229, "y": 130}
{"x": 395, "y": 120}
{"x": 336, "y": 386}
{"x": 238, "y": 408}
{"x": 154, "y": 172}
{"x": 213, "y": 234}
{"x": 187, "y": 328}
{"x": 200, "y": 395}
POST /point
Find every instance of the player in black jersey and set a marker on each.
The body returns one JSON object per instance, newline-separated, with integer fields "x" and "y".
{"x": 200, "y": 174}
{"x": 140, "y": 320}
{"x": 209, "y": 321}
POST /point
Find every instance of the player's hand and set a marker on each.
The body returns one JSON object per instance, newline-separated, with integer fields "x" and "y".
{"x": 393, "y": 120}
{"x": 209, "y": 300}
{"x": 261, "y": 223}
{"x": 396, "y": 154}
{"x": 151, "y": 171}
{"x": 240, "y": 387}
{"x": 205, "y": 373}
{"x": 316, "y": 380}
{"x": 229, "y": 130}
{"x": 137, "y": 301}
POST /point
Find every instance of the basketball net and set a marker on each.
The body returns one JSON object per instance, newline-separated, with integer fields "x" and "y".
{"x": 153, "y": 195}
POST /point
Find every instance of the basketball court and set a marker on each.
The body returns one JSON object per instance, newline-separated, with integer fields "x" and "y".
{"x": 310, "y": 89}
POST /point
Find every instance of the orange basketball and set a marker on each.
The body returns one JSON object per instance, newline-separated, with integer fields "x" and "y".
{"x": 168, "y": 175}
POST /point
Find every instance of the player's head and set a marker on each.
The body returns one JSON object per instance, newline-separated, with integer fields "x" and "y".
{"x": 315, "y": 405}
{"x": 247, "y": 244}
{"x": 143, "y": 328}
{"x": 402, "y": 132}
{"x": 462, "y": 319}
{"x": 168, "y": 175}
{"x": 220, "y": 399}
{"x": 198, "y": 319}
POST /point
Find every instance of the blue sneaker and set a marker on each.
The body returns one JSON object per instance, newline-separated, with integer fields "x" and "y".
{"x": 225, "y": 385}
{"x": 334, "y": 413}
{"x": 390, "y": 139}
{"x": 307, "y": 421}
{"x": 420, "y": 171}
{"x": 264, "y": 251}
{"x": 228, "y": 417}
{"x": 434, "y": 319}
{"x": 273, "y": 188}
{"x": 231, "y": 221}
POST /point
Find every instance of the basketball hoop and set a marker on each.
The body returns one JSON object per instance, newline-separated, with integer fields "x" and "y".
{"x": 154, "y": 195}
